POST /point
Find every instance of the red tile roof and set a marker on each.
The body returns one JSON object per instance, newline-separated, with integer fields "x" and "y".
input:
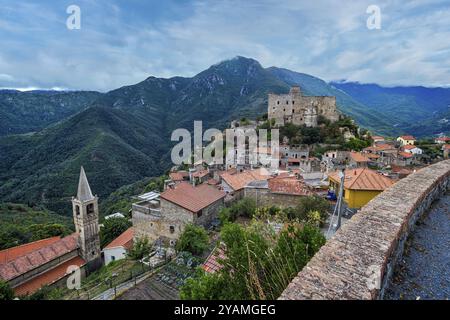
{"x": 10, "y": 254}
{"x": 288, "y": 185}
{"x": 409, "y": 147}
{"x": 377, "y": 138}
{"x": 179, "y": 175}
{"x": 363, "y": 179}
{"x": 33, "y": 259}
{"x": 444, "y": 139}
{"x": 212, "y": 265}
{"x": 238, "y": 181}
{"x": 193, "y": 198}
{"x": 405, "y": 154}
{"x": 408, "y": 137}
{"x": 293, "y": 160}
{"x": 48, "y": 277}
{"x": 446, "y": 147}
{"x": 201, "y": 173}
{"x": 125, "y": 240}
{"x": 359, "y": 157}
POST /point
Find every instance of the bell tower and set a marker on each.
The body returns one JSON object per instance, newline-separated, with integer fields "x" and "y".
{"x": 85, "y": 217}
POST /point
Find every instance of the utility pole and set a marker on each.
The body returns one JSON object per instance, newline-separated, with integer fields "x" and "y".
{"x": 341, "y": 192}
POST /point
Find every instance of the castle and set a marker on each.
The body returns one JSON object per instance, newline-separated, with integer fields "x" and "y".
{"x": 300, "y": 110}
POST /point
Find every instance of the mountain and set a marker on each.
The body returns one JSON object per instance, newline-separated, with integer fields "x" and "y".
{"x": 417, "y": 110}
{"x": 124, "y": 135}
{"x": 22, "y": 112}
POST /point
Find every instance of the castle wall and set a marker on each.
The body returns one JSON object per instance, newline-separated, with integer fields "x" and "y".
{"x": 300, "y": 110}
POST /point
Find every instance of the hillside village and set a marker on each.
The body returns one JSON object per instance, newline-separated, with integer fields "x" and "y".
{"x": 317, "y": 145}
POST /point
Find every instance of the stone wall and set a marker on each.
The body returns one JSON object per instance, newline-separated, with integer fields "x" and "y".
{"x": 358, "y": 261}
{"x": 300, "y": 110}
{"x": 264, "y": 197}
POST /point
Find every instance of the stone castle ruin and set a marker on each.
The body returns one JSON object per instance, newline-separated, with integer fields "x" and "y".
{"x": 300, "y": 110}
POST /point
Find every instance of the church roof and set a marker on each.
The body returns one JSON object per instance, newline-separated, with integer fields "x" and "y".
{"x": 33, "y": 259}
{"x": 49, "y": 277}
{"x": 84, "y": 190}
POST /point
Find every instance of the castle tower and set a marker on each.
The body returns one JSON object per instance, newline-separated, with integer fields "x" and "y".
{"x": 310, "y": 116}
{"x": 85, "y": 216}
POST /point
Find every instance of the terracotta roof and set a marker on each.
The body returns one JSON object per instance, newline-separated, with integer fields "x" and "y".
{"x": 48, "y": 277}
{"x": 212, "y": 265}
{"x": 377, "y": 138}
{"x": 36, "y": 258}
{"x": 405, "y": 154}
{"x": 193, "y": 198}
{"x": 442, "y": 139}
{"x": 125, "y": 240}
{"x": 359, "y": 157}
{"x": 380, "y": 147}
{"x": 372, "y": 156}
{"x": 288, "y": 185}
{"x": 212, "y": 182}
{"x": 408, "y": 137}
{"x": 293, "y": 160}
{"x": 409, "y": 147}
{"x": 10, "y": 254}
{"x": 363, "y": 179}
{"x": 238, "y": 181}
{"x": 446, "y": 146}
{"x": 178, "y": 176}
{"x": 201, "y": 173}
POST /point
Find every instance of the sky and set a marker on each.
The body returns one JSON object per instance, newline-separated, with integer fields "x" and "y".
{"x": 122, "y": 42}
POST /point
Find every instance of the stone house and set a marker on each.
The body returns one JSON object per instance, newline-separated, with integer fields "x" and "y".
{"x": 165, "y": 218}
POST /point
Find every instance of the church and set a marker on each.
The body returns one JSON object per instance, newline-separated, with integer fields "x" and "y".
{"x": 29, "y": 267}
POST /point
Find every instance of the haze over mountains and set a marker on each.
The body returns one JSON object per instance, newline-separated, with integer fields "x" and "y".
{"x": 124, "y": 135}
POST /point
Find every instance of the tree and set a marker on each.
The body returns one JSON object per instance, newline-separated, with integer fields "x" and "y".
{"x": 6, "y": 293}
{"x": 194, "y": 239}
{"x": 308, "y": 204}
{"x": 112, "y": 228}
{"x": 140, "y": 249}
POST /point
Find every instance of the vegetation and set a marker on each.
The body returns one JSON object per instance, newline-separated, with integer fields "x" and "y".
{"x": 20, "y": 224}
{"x": 259, "y": 264}
{"x": 112, "y": 228}
{"x": 194, "y": 239}
{"x": 6, "y": 293}
{"x": 141, "y": 248}
{"x": 243, "y": 208}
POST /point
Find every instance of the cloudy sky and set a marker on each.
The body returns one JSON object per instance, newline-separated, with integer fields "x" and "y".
{"x": 124, "y": 42}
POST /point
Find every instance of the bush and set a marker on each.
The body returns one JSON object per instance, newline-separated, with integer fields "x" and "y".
{"x": 307, "y": 205}
{"x": 140, "y": 249}
{"x": 194, "y": 240}
{"x": 6, "y": 293}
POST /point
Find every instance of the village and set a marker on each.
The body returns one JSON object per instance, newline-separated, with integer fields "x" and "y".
{"x": 147, "y": 261}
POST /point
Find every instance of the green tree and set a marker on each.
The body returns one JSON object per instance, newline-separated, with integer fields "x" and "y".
{"x": 308, "y": 204}
{"x": 140, "y": 249}
{"x": 194, "y": 239}
{"x": 112, "y": 228}
{"x": 6, "y": 293}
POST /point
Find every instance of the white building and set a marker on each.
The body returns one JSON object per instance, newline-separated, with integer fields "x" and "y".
{"x": 118, "y": 248}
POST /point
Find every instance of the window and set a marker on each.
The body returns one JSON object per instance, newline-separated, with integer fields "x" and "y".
{"x": 93, "y": 253}
{"x": 77, "y": 210}
{"x": 90, "y": 208}
{"x": 287, "y": 102}
{"x": 293, "y": 102}
{"x": 278, "y": 102}
{"x": 293, "y": 111}
{"x": 172, "y": 229}
{"x": 199, "y": 214}
{"x": 113, "y": 258}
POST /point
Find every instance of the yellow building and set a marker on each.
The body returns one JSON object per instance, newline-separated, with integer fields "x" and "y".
{"x": 360, "y": 186}
{"x": 406, "y": 140}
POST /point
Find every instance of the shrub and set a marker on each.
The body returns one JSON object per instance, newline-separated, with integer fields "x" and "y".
{"x": 194, "y": 239}
{"x": 140, "y": 249}
{"x": 6, "y": 293}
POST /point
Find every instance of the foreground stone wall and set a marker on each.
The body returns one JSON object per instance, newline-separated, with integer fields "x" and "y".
{"x": 358, "y": 261}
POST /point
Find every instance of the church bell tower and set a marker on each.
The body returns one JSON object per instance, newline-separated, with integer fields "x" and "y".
{"x": 85, "y": 216}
